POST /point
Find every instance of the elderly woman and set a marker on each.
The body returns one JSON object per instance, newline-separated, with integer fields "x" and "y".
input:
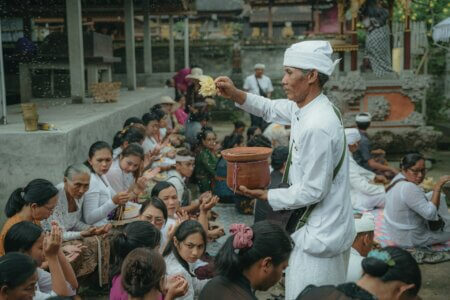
{"x": 411, "y": 215}
{"x": 365, "y": 193}
{"x": 68, "y": 213}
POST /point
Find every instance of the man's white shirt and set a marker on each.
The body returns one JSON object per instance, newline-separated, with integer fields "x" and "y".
{"x": 251, "y": 85}
{"x": 317, "y": 140}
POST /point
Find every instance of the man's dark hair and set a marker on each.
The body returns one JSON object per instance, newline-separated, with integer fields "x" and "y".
{"x": 322, "y": 78}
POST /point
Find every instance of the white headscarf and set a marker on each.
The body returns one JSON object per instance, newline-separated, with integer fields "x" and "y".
{"x": 310, "y": 55}
{"x": 352, "y": 136}
{"x": 365, "y": 224}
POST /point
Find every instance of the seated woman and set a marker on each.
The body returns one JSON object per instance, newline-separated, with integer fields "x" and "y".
{"x": 127, "y": 136}
{"x": 206, "y": 160}
{"x": 182, "y": 253}
{"x": 365, "y": 194}
{"x": 248, "y": 261}
{"x": 125, "y": 170}
{"x": 168, "y": 194}
{"x": 134, "y": 235}
{"x": 408, "y": 210}
{"x": 33, "y": 203}
{"x": 31, "y": 240}
{"x": 100, "y": 200}
{"x": 18, "y": 277}
{"x": 143, "y": 261}
{"x": 67, "y": 214}
{"x": 151, "y": 124}
{"x": 390, "y": 273}
{"x": 154, "y": 210}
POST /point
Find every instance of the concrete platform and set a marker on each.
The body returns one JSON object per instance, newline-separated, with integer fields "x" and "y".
{"x": 45, "y": 154}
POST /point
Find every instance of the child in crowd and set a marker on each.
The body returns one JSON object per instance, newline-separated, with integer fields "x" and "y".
{"x": 249, "y": 261}
{"x": 183, "y": 252}
{"x": 134, "y": 235}
{"x": 206, "y": 160}
{"x": 100, "y": 200}
{"x": 33, "y": 203}
{"x": 151, "y": 124}
{"x": 30, "y": 239}
{"x": 133, "y": 122}
{"x": 143, "y": 277}
{"x": 18, "y": 277}
{"x": 125, "y": 170}
{"x": 126, "y": 137}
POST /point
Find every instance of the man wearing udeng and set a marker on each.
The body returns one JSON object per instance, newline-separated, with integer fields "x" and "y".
{"x": 318, "y": 174}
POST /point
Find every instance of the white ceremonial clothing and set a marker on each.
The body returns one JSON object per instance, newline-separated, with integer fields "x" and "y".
{"x": 44, "y": 286}
{"x": 354, "y": 271}
{"x": 251, "y": 85}
{"x": 407, "y": 211}
{"x": 149, "y": 144}
{"x": 69, "y": 222}
{"x": 98, "y": 201}
{"x": 365, "y": 195}
{"x": 118, "y": 179}
{"x": 117, "y": 152}
{"x": 322, "y": 246}
{"x": 170, "y": 221}
{"x": 173, "y": 267}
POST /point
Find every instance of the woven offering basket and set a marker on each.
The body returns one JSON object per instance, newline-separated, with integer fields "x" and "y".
{"x": 105, "y": 92}
{"x": 247, "y": 166}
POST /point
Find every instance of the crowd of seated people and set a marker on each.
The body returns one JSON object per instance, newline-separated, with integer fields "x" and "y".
{"x": 137, "y": 216}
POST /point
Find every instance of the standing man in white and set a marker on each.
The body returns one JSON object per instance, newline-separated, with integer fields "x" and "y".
{"x": 319, "y": 166}
{"x": 258, "y": 84}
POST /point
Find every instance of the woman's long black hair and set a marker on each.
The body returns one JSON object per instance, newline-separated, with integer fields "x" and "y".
{"x": 184, "y": 230}
{"x": 38, "y": 191}
{"x": 269, "y": 240}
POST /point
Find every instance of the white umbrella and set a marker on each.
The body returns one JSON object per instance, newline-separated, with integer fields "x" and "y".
{"x": 441, "y": 31}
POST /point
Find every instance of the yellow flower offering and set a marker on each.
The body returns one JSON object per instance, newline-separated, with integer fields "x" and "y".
{"x": 207, "y": 86}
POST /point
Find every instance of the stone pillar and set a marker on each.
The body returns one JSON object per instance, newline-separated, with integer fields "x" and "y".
{"x": 130, "y": 45}
{"x": 2, "y": 84}
{"x": 407, "y": 45}
{"x": 186, "y": 42}
{"x": 148, "y": 67}
{"x": 76, "y": 56}
{"x": 171, "y": 46}
{"x": 270, "y": 22}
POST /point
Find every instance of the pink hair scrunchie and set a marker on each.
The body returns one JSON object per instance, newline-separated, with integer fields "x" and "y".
{"x": 242, "y": 236}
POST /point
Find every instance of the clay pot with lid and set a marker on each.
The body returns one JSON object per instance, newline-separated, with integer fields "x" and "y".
{"x": 247, "y": 166}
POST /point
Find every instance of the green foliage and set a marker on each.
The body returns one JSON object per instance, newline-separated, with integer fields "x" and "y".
{"x": 429, "y": 11}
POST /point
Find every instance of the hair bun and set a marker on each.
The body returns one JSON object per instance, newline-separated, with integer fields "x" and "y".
{"x": 374, "y": 267}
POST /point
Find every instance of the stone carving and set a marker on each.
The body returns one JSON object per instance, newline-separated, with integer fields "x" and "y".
{"x": 419, "y": 139}
{"x": 414, "y": 86}
{"x": 415, "y": 118}
{"x": 378, "y": 107}
{"x": 347, "y": 89}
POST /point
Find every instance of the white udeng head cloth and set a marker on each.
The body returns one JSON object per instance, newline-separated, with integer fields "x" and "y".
{"x": 180, "y": 158}
{"x": 364, "y": 117}
{"x": 365, "y": 224}
{"x": 352, "y": 135}
{"x": 310, "y": 55}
